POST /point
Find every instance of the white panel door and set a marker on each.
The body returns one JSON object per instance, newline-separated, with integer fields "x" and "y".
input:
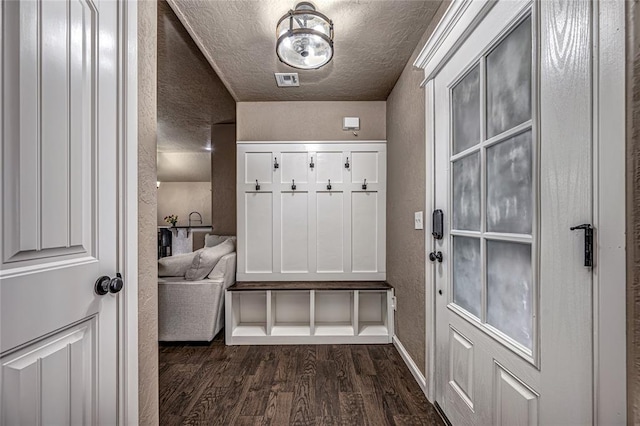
{"x": 513, "y": 174}
{"x": 58, "y": 225}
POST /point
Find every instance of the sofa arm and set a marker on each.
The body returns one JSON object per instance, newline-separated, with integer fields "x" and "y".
{"x": 225, "y": 270}
{"x": 175, "y": 266}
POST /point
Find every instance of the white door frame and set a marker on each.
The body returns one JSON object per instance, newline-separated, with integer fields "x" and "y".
{"x": 608, "y": 20}
{"x": 128, "y": 213}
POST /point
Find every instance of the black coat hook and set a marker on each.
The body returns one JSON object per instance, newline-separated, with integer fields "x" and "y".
{"x": 364, "y": 185}
{"x": 347, "y": 165}
{"x": 293, "y": 184}
{"x": 257, "y": 185}
{"x": 329, "y": 185}
{"x": 311, "y": 163}
{"x": 275, "y": 163}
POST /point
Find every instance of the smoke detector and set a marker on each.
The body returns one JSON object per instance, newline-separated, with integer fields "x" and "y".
{"x": 287, "y": 79}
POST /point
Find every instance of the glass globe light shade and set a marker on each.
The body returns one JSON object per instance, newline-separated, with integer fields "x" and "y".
{"x": 304, "y": 38}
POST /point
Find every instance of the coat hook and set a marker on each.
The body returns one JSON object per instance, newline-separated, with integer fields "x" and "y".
{"x": 293, "y": 184}
{"x": 329, "y": 185}
{"x": 364, "y": 185}
{"x": 257, "y": 185}
{"x": 311, "y": 164}
{"x": 275, "y": 163}
{"x": 346, "y": 165}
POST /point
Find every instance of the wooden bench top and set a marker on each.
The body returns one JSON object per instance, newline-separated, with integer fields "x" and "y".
{"x": 309, "y": 285}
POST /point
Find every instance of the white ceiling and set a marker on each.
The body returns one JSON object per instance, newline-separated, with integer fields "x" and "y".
{"x": 373, "y": 41}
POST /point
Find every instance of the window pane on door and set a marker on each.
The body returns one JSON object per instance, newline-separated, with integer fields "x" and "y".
{"x": 509, "y": 186}
{"x": 467, "y": 283}
{"x": 509, "y": 81}
{"x": 466, "y": 193}
{"x": 466, "y": 111}
{"x": 510, "y": 290}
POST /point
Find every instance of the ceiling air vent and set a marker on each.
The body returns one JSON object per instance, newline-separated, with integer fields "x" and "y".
{"x": 287, "y": 79}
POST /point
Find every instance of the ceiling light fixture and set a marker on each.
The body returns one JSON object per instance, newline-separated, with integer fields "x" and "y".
{"x": 305, "y": 38}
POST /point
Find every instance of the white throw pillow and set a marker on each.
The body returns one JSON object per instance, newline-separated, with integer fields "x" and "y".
{"x": 206, "y": 260}
{"x": 176, "y": 266}
{"x": 212, "y": 240}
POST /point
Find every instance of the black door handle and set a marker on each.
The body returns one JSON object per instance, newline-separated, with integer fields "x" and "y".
{"x": 435, "y": 255}
{"x": 106, "y": 285}
{"x": 588, "y": 242}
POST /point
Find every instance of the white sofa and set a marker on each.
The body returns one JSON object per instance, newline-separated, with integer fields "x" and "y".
{"x": 192, "y": 310}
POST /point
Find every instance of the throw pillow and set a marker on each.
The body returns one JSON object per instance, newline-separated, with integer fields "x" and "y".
{"x": 206, "y": 260}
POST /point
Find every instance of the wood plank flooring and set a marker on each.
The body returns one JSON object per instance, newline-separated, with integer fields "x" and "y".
{"x": 214, "y": 384}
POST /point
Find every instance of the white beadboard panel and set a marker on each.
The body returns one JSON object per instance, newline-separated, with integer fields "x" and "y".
{"x": 258, "y": 166}
{"x": 259, "y": 231}
{"x": 364, "y": 165}
{"x": 329, "y": 166}
{"x": 515, "y": 402}
{"x": 51, "y": 381}
{"x": 294, "y": 232}
{"x": 295, "y": 166}
{"x": 461, "y": 365}
{"x": 330, "y": 231}
{"x": 49, "y": 131}
{"x": 364, "y": 231}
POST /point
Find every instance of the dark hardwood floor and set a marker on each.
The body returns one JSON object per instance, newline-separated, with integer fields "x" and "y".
{"x": 214, "y": 384}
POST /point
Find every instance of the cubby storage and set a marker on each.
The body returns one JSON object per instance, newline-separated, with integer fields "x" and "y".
{"x": 333, "y": 313}
{"x": 372, "y": 313}
{"x": 290, "y": 313}
{"x": 309, "y": 312}
{"x": 249, "y": 313}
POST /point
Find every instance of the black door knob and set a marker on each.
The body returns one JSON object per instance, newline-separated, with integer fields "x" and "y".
{"x": 435, "y": 255}
{"x": 106, "y": 285}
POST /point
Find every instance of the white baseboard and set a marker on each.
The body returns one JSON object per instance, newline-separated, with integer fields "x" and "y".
{"x": 415, "y": 371}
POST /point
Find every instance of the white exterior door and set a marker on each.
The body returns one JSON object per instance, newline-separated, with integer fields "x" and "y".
{"x": 58, "y": 338}
{"x": 512, "y": 174}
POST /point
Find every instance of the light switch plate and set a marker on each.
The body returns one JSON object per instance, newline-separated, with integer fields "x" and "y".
{"x": 418, "y": 222}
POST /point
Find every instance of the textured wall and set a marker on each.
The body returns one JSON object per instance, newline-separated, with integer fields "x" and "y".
{"x": 147, "y": 234}
{"x": 223, "y": 179}
{"x": 182, "y": 198}
{"x": 633, "y": 212}
{"x": 184, "y": 166}
{"x": 309, "y": 121}
{"x": 406, "y": 195}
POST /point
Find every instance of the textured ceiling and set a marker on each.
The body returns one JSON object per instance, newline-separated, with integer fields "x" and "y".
{"x": 191, "y": 97}
{"x": 373, "y": 41}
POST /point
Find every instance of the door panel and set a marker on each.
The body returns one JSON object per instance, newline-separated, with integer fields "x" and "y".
{"x": 49, "y": 379}
{"x": 512, "y": 174}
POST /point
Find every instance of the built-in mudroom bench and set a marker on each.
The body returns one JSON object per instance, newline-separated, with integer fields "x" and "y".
{"x": 309, "y": 312}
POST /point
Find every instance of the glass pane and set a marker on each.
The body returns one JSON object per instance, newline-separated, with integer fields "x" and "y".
{"x": 466, "y": 111}
{"x": 466, "y": 193}
{"x": 510, "y": 290}
{"x": 509, "y": 189}
{"x": 509, "y": 81}
{"x": 467, "y": 285}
